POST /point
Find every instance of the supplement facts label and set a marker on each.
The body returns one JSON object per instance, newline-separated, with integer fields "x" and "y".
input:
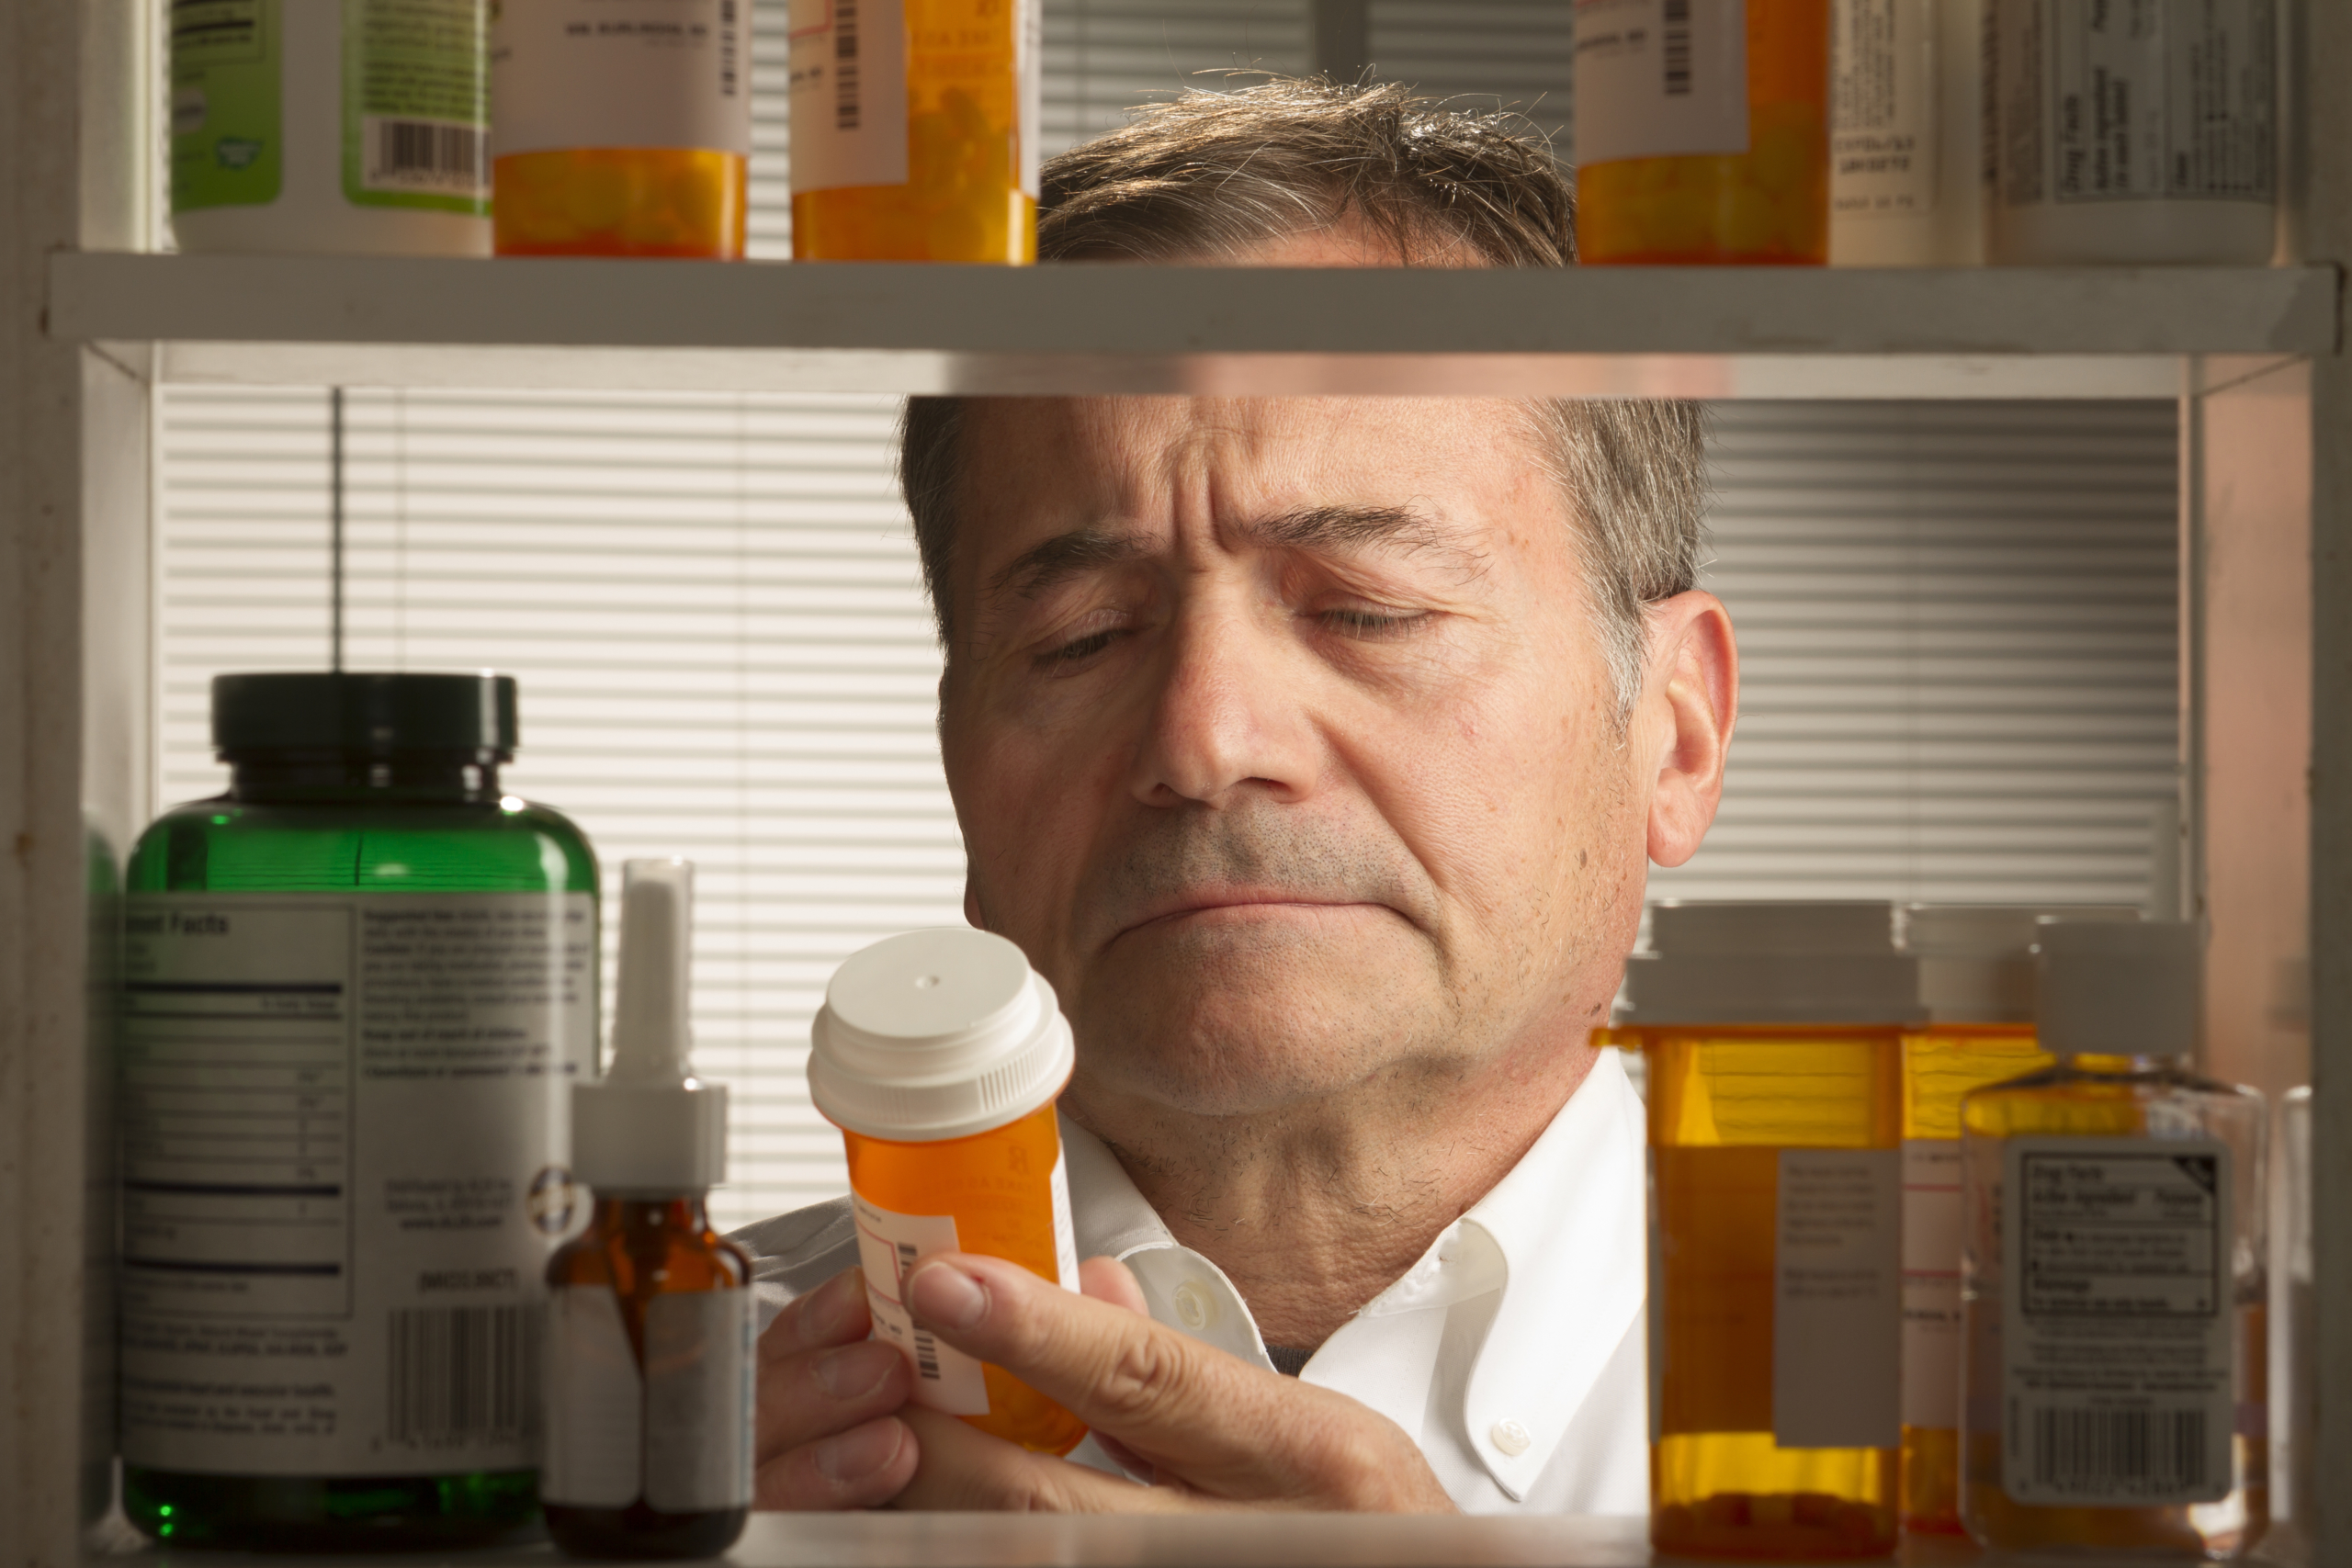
{"x": 1661, "y": 77}
{"x": 1883, "y": 108}
{"x": 416, "y": 104}
{"x": 676, "y": 1431}
{"x": 1931, "y": 1244}
{"x": 2117, "y": 1317}
{"x": 1836, "y": 1262}
{"x": 650, "y": 73}
{"x": 2103, "y": 101}
{"x": 343, "y": 1170}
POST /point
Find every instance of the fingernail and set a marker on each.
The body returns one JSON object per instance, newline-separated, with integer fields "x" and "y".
{"x": 946, "y": 1297}
{"x": 830, "y": 1307}
{"x": 859, "y": 1452}
{"x": 854, "y": 1371}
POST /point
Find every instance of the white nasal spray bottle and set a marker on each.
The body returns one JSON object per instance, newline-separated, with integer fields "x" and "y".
{"x": 650, "y": 1360}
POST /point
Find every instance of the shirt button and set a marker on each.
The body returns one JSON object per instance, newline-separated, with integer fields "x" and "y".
{"x": 1509, "y": 1436}
{"x": 1194, "y": 1308}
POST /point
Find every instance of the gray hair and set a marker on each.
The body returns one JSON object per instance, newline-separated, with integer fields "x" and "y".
{"x": 1220, "y": 174}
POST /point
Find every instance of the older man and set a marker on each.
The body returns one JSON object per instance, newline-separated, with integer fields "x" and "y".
{"x": 1314, "y": 749}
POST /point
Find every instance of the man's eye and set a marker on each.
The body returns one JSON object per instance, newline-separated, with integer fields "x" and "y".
{"x": 1367, "y": 623}
{"x": 1084, "y": 648}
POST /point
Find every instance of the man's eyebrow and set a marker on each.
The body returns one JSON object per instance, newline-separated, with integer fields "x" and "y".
{"x": 1064, "y": 556}
{"x": 1345, "y": 528}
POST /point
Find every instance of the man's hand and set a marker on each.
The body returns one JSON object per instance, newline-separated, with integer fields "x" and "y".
{"x": 1211, "y": 1430}
{"x": 828, "y": 1437}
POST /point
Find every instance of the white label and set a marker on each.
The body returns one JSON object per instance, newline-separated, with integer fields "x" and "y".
{"x": 677, "y": 1431}
{"x": 1065, "y": 1228}
{"x": 1931, "y": 1244}
{"x": 1836, "y": 1315}
{"x": 567, "y": 74}
{"x": 2117, "y": 1362}
{"x": 1661, "y": 77}
{"x": 849, "y": 93}
{"x": 344, "y": 1134}
{"x": 698, "y": 1400}
{"x": 889, "y": 1244}
{"x": 1882, "y": 143}
{"x": 1029, "y": 37}
{"x": 595, "y": 1395}
{"x": 2105, "y": 100}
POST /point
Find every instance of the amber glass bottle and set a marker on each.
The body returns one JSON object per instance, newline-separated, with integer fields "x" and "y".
{"x": 938, "y": 1053}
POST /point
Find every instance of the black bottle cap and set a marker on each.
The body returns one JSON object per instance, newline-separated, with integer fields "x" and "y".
{"x": 377, "y": 715}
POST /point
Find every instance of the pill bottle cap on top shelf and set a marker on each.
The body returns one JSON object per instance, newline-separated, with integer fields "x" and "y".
{"x": 1976, "y": 959}
{"x": 376, "y": 713}
{"x": 937, "y": 1033}
{"x": 2120, "y": 990}
{"x": 1753, "y": 961}
{"x": 648, "y": 1126}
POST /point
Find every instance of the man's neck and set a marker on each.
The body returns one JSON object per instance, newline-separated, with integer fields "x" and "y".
{"x": 1312, "y": 1212}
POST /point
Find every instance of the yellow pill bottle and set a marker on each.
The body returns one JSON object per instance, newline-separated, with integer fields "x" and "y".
{"x": 939, "y": 1055}
{"x": 620, "y": 127}
{"x": 914, "y": 130}
{"x": 1976, "y": 985}
{"x": 1773, "y": 1038}
{"x": 1702, "y": 131}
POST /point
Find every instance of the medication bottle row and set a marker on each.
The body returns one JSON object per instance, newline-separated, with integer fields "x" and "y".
{"x": 1949, "y": 1236}
{"x": 612, "y": 128}
{"x": 400, "y": 1270}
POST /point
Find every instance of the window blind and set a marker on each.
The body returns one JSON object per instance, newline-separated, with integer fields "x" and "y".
{"x": 1957, "y": 621}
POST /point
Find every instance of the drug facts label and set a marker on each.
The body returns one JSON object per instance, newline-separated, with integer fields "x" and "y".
{"x": 416, "y": 104}
{"x": 1931, "y": 1244}
{"x": 674, "y": 1430}
{"x": 1883, "y": 151}
{"x": 651, "y": 73}
{"x": 1837, "y": 1347}
{"x": 849, "y": 93}
{"x": 344, "y": 1150}
{"x": 2099, "y": 100}
{"x": 1661, "y": 77}
{"x": 2117, "y": 1361}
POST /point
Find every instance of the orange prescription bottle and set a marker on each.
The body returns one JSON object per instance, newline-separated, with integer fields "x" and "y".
{"x": 1772, "y": 1033}
{"x": 1702, "y": 131}
{"x": 939, "y": 1054}
{"x": 914, "y": 130}
{"x": 620, "y": 127}
{"x": 1976, "y": 985}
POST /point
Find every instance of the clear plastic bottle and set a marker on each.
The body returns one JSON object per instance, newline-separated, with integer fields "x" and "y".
{"x": 914, "y": 130}
{"x": 650, "y": 1359}
{"x": 939, "y": 1055}
{"x": 356, "y": 987}
{"x": 621, "y": 128}
{"x": 2112, "y": 1289}
{"x": 1773, "y": 1037}
{"x": 1703, "y": 132}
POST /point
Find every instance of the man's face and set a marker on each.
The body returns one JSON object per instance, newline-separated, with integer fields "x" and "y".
{"x": 1282, "y": 743}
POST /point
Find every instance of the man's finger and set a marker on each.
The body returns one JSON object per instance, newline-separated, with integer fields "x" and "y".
{"x": 964, "y": 1469}
{"x": 816, "y": 1393}
{"x": 832, "y": 1313}
{"x": 864, "y": 1466}
{"x": 1108, "y": 1279}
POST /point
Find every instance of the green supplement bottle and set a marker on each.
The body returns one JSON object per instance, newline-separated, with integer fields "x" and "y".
{"x": 356, "y": 990}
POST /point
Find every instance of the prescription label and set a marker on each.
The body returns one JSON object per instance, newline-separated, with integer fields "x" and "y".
{"x": 889, "y": 1244}
{"x": 1932, "y": 1246}
{"x": 1837, "y": 1319}
{"x": 674, "y": 1430}
{"x": 2118, "y": 1369}
{"x": 343, "y": 1143}
{"x": 1656, "y": 78}
{"x": 848, "y": 93}
{"x": 641, "y": 74}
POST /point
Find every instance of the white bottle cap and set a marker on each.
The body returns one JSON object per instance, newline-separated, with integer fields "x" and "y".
{"x": 937, "y": 1033}
{"x": 1976, "y": 959}
{"x": 1752, "y": 961}
{"x": 648, "y": 1126}
{"x": 2120, "y": 990}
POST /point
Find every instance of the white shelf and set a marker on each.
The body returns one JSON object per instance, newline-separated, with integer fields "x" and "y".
{"x": 1716, "y": 332}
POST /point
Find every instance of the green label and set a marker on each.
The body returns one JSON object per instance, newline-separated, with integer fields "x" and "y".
{"x": 416, "y": 104}
{"x": 224, "y": 103}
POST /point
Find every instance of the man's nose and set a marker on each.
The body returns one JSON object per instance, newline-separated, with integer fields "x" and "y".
{"x": 1230, "y": 714}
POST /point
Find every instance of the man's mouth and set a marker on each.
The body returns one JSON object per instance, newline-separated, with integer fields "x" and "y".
{"x": 1234, "y": 902}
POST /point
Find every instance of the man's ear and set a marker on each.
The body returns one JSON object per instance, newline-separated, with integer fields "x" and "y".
{"x": 1689, "y": 702}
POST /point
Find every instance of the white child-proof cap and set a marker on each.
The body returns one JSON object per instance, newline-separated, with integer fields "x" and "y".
{"x": 1976, "y": 959}
{"x": 937, "y": 1033}
{"x": 2120, "y": 990}
{"x": 648, "y": 1126}
{"x": 1754, "y": 961}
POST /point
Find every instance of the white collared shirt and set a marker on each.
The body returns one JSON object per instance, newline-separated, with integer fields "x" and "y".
{"x": 1513, "y": 1352}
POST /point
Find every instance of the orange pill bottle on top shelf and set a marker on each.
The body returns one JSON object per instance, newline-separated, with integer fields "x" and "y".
{"x": 1702, "y": 131}
{"x": 914, "y": 130}
{"x": 620, "y": 127}
{"x": 1773, "y": 1033}
{"x": 939, "y": 1055}
{"x": 1977, "y": 985}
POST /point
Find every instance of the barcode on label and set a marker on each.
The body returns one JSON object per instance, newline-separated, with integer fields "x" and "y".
{"x": 1676, "y": 34}
{"x": 926, "y": 1348}
{"x": 427, "y": 155}
{"x": 728, "y": 33}
{"x": 2098, "y": 1451}
{"x": 846, "y": 64}
{"x": 461, "y": 1375}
